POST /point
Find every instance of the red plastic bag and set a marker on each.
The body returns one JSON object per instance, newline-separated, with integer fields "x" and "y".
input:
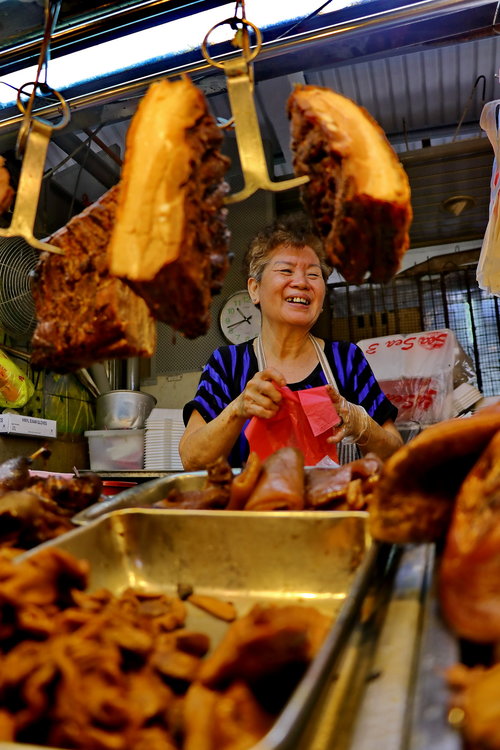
{"x": 304, "y": 421}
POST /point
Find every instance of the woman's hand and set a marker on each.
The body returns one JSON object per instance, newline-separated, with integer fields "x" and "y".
{"x": 354, "y": 421}
{"x": 261, "y": 397}
{"x": 357, "y": 426}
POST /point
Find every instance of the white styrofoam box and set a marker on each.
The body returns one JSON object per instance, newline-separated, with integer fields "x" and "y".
{"x": 111, "y": 450}
{"x": 17, "y": 424}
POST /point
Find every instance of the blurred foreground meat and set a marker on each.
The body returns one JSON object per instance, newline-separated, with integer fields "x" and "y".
{"x": 358, "y": 194}
{"x": 469, "y": 578}
{"x": 170, "y": 239}
{"x": 414, "y": 498}
{"x": 84, "y": 314}
{"x": 102, "y": 671}
{"x": 475, "y": 692}
{"x": 35, "y": 509}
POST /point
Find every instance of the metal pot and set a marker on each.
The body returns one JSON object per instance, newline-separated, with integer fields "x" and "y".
{"x": 121, "y": 410}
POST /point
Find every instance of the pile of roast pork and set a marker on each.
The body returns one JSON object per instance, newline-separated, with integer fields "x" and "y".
{"x": 99, "y": 671}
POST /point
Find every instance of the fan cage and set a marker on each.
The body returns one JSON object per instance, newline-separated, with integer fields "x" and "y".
{"x": 17, "y": 308}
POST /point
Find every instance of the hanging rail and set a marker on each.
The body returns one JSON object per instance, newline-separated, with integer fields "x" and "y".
{"x": 424, "y": 10}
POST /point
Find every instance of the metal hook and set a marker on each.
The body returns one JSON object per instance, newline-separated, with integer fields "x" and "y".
{"x": 239, "y": 75}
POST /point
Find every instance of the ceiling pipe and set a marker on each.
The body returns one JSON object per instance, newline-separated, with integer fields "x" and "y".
{"x": 424, "y": 10}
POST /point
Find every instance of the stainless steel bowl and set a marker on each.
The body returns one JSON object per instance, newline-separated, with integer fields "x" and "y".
{"x": 123, "y": 410}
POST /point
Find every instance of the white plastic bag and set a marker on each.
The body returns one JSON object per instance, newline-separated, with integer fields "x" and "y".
{"x": 488, "y": 267}
{"x": 415, "y": 371}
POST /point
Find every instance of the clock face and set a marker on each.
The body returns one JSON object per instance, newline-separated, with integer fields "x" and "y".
{"x": 239, "y": 318}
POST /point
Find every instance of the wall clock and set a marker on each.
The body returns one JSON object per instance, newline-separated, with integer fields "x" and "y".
{"x": 239, "y": 318}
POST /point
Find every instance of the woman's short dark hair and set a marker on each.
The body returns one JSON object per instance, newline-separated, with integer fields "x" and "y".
{"x": 294, "y": 230}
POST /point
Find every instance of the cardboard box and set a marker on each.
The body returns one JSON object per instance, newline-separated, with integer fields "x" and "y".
{"x": 17, "y": 424}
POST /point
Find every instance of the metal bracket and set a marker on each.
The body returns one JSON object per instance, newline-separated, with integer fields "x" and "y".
{"x": 34, "y": 137}
{"x": 239, "y": 76}
{"x": 248, "y": 136}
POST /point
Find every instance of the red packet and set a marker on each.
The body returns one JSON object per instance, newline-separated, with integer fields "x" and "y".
{"x": 304, "y": 421}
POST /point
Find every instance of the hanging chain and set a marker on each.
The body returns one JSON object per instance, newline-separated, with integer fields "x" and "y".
{"x": 51, "y": 13}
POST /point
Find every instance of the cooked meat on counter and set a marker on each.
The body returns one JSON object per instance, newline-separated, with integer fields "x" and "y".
{"x": 281, "y": 483}
{"x": 104, "y": 671}
{"x": 414, "y": 498}
{"x": 469, "y": 574}
{"x": 214, "y": 494}
{"x": 6, "y": 190}
{"x": 35, "y": 509}
{"x": 358, "y": 193}
{"x": 170, "y": 240}
{"x": 84, "y": 314}
{"x": 348, "y": 488}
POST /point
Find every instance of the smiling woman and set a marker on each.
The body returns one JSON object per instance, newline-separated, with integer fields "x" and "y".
{"x": 250, "y": 381}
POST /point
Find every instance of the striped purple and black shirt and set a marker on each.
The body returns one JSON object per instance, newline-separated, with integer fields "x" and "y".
{"x": 230, "y": 368}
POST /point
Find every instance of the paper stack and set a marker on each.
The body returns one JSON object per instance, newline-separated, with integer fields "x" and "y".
{"x": 464, "y": 396}
{"x": 164, "y": 428}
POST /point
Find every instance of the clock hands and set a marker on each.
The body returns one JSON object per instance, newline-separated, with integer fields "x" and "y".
{"x": 243, "y": 320}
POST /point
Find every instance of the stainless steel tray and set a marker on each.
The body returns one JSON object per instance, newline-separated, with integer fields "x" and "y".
{"x": 143, "y": 495}
{"x": 319, "y": 558}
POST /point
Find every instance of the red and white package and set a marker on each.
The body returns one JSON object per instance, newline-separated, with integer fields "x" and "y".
{"x": 415, "y": 371}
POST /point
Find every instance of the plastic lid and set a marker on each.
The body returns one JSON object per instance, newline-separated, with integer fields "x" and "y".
{"x": 113, "y": 433}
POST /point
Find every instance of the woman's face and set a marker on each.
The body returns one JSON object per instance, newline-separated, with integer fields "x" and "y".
{"x": 292, "y": 289}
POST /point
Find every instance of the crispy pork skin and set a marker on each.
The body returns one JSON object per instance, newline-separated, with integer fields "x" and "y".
{"x": 469, "y": 580}
{"x": 84, "y": 314}
{"x": 414, "y": 497}
{"x": 170, "y": 240}
{"x": 358, "y": 193}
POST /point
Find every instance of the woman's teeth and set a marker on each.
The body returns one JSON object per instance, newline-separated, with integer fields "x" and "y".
{"x": 300, "y": 300}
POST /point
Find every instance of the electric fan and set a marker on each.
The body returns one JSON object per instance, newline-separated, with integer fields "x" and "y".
{"x": 17, "y": 307}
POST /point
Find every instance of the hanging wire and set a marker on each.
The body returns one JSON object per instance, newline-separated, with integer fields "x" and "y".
{"x": 304, "y": 20}
{"x": 51, "y": 13}
{"x": 81, "y": 167}
{"x": 469, "y": 102}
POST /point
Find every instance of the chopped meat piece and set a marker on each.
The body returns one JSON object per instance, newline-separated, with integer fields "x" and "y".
{"x": 15, "y": 473}
{"x": 244, "y": 483}
{"x": 212, "y": 496}
{"x": 349, "y": 487}
{"x": 216, "y": 607}
{"x": 358, "y": 193}
{"x": 281, "y": 482}
{"x": 264, "y": 640}
{"x": 226, "y": 720}
{"x": 84, "y": 313}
